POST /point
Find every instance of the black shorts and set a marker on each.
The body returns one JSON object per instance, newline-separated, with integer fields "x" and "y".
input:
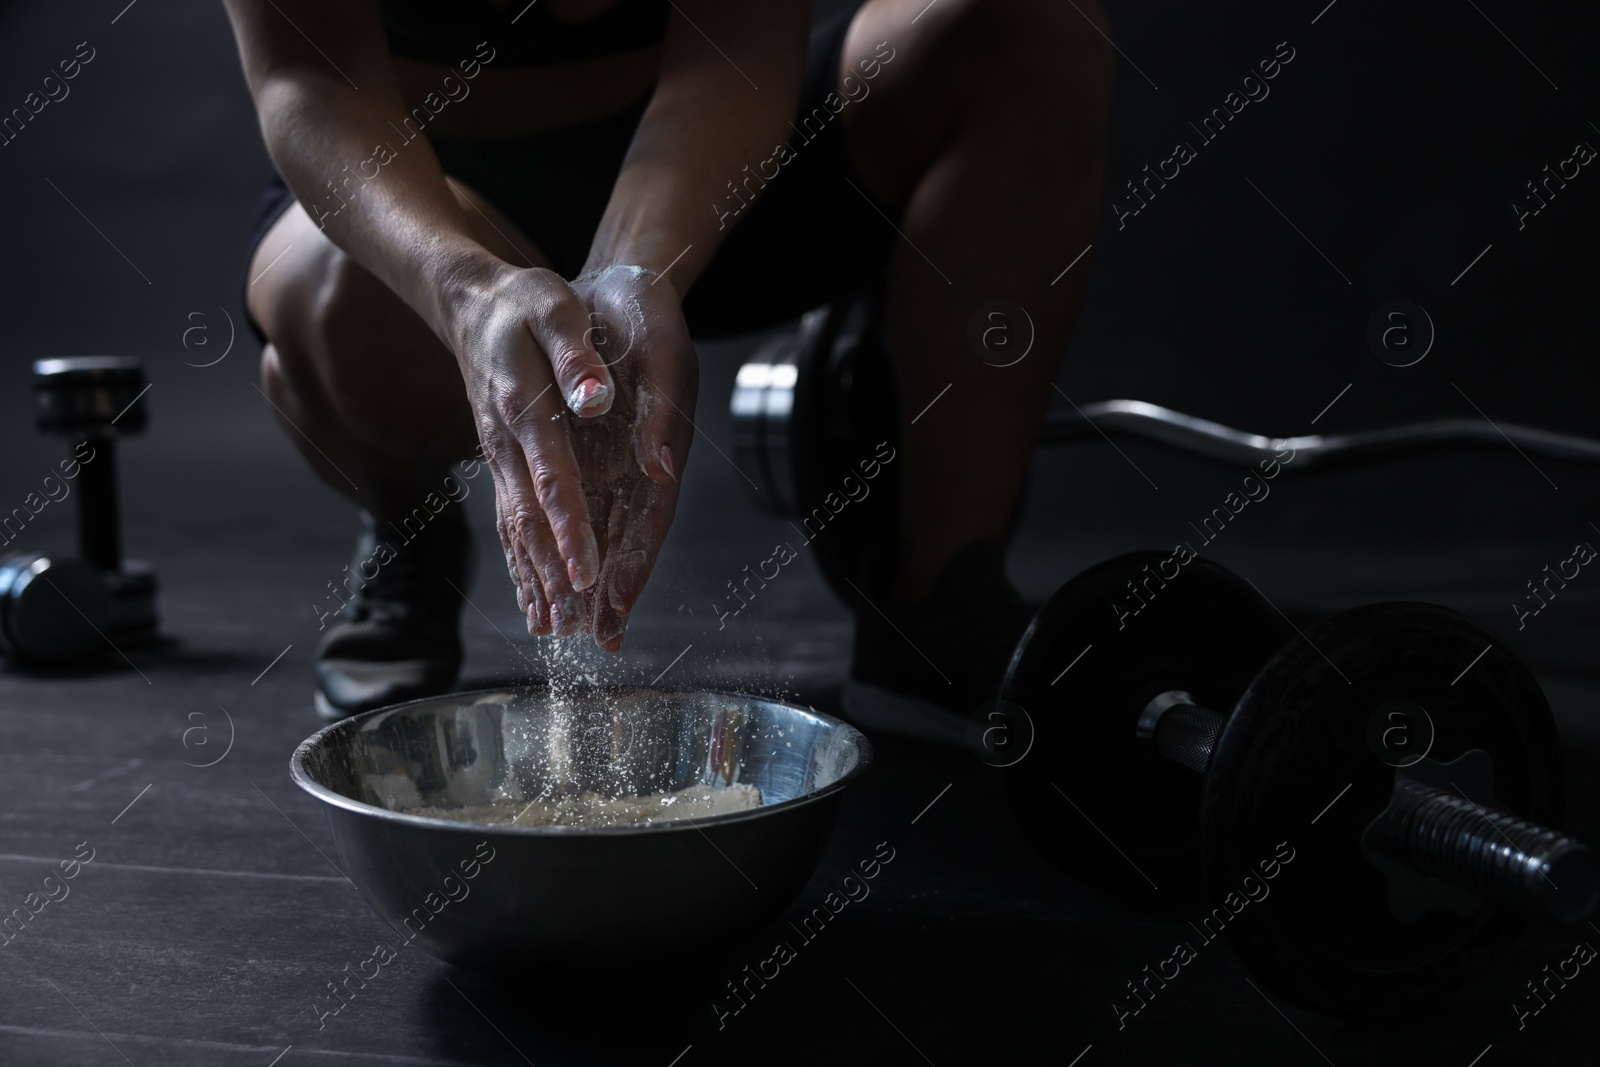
{"x": 812, "y": 237}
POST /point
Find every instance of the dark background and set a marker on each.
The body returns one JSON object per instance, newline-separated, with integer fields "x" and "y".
{"x": 1395, "y": 141}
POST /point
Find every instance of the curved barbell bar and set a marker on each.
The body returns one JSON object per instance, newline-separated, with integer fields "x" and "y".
{"x": 1213, "y": 440}
{"x": 763, "y": 410}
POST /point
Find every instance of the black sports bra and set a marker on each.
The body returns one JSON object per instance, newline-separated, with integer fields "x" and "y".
{"x": 522, "y": 35}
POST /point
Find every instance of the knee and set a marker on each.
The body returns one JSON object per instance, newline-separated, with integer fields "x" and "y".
{"x": 1045, "y": 61}
{"x": 346, "y": 330}
{"x": 353, "y": 338}
{"x": 274, "y": 382}
{"x": 1073, "y": 34}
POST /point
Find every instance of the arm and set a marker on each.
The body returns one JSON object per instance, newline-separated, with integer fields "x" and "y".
{"x": 705, "y": 124}
{"x": 326, "y": 95}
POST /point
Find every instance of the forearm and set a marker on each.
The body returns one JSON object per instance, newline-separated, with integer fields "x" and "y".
{"x": 706, "y": 131}
{"x": 378, "y": 196}
{"x": 335, "y": 123}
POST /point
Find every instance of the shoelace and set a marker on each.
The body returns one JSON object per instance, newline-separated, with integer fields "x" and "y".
{"x": 410, "y": 579}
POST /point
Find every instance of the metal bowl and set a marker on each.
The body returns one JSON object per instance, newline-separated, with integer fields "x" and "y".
{"x": 502, "y": 897}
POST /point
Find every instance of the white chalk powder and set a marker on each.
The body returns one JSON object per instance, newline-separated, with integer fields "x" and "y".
{"x": 592, "y": 809}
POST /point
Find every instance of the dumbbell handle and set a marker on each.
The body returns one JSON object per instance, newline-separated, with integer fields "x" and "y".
{"x": 99, "y": 521}
{"x": 1509, "y": 860}
{"x": 1182, "y": 731}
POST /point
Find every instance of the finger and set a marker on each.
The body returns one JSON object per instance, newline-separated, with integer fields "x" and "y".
{"x": 543, "y": 478}
{"x": 650, "y": 515}
{"x": 531, "y": 597}
{"x": 520, "y": 574}
{"x": 566, "y": 332}
{"x": 609, "y": 623}
{"x": 536, "y": 606}
{"x": 669, "y": 378}
{"x": 534, "y": 547}
{"x": 604, "y": 622}
{"x": 564, "y": 605}
{"x": 521, "y": 517}
{"x": 553, "y": 606}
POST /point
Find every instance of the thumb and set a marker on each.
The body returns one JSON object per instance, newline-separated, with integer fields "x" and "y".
{"x": 564, "y": 332}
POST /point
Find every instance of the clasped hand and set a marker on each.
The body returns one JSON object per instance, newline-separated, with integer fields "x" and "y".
{"x": 583, "y": 394}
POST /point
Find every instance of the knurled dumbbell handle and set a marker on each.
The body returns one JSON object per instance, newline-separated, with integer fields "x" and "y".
{"x": 1509, "y": 860}
{"x": 1186, "y": 734}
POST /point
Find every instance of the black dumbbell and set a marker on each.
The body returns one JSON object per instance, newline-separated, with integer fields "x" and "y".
{"x": 60, "y": 609}
{"x": 1407, "y": 760}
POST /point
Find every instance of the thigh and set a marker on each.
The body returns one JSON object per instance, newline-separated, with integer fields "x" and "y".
{"x": 818, "y": 230}
{"x": 1041, "y": 67}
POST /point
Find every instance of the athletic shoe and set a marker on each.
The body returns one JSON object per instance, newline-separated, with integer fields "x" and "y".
{"x": 924, "y": 669}
{"x": 399, "y": 636}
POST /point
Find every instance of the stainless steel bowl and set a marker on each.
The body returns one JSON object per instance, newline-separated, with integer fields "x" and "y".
{"x": 502, "y": 897}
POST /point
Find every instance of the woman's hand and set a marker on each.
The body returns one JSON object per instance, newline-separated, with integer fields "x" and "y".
{"x": 633, "y": 456}
{"x": 584, "y": 503}
{"x": 523, "y": 341}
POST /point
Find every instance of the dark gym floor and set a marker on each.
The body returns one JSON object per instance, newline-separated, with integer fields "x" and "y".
{"x": 211, "y": 919}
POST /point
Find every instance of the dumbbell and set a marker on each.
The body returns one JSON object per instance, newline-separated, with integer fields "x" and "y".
{"x": 1418, "y": 855}
{"x": 56, "y": 608}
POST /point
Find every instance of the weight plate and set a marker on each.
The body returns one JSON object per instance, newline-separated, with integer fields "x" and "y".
{"x": 50, "y": 608}
{"x": 1296, "y": 771}
{"x": 1114, "y": 637}
{"x": 846, "y": 444}
{"x": 89, "y": 394}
